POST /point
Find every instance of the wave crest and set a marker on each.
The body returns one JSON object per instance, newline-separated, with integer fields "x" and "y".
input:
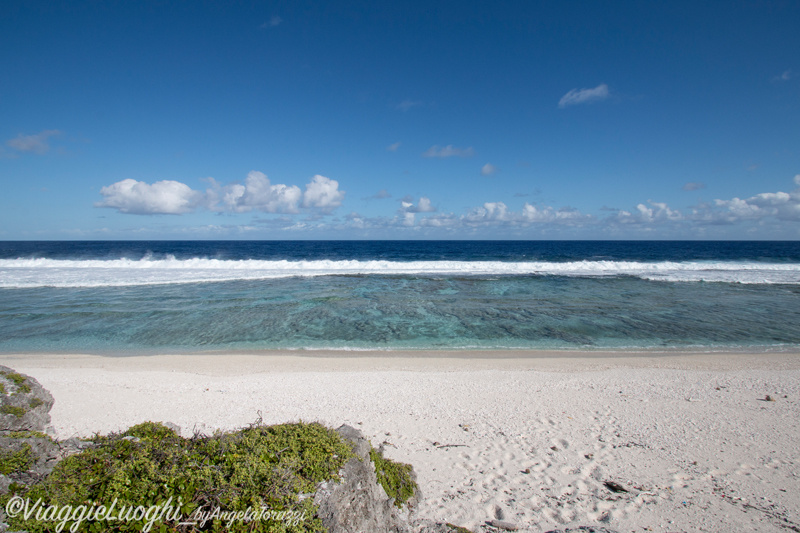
{"x": 39, "y": 272}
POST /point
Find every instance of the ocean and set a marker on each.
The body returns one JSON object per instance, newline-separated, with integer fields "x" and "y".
{"x": 137, "y": 297}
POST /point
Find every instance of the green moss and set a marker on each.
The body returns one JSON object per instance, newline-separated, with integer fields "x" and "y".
{"x": 3, "y": 389}
{"x": 35, "y": 402}
{"x": 14, "y": 488}
{"x": 458, "y": 529}
{"x": 395, "y": 478}
{"x": 16, "y": 461}
{"x": 13, "y": 410}
{"x": 19, "y": 380}
{"x": 259, "y": 466}
{"x": 26, "y": 435}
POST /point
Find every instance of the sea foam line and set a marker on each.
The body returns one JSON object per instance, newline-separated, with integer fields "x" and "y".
{"x": 40, "y": 272}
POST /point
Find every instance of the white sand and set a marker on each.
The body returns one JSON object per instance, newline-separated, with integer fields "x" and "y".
{"x": 526, "y": 437}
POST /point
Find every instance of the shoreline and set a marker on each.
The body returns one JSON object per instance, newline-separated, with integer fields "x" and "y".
{"x": 243, "y": 363}
{"x": 531, "y": 438}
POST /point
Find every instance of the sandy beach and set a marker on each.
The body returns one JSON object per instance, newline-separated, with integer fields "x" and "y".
{"x": 532, "y": 438}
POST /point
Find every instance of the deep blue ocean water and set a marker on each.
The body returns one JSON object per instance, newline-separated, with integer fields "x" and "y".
{"x": 191, "y": 296}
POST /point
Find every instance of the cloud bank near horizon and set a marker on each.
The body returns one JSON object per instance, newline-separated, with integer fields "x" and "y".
{"x": 257, "y": 193}
{"x": 322, "y": 197}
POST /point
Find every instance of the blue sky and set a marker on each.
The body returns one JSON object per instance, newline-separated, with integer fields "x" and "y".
{"x": 410, "y": 120}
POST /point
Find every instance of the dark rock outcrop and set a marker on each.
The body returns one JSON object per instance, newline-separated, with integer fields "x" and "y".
{"x": 26, "y": 457}
{"x": 358, "y": 503}
{"x": 24, "y": 404}
{"x": 27, "y": 453}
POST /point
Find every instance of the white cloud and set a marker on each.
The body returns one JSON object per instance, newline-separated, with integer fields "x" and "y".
{"x": 547, "y": 214}
{"x": 448, "y": 151}
{"x": 323, "y": 193}
{"x": 778, "y": 205}
{"x": 441, "y": 221}
{"x": 393, "y": 147}
{"x": 490, "y": 213}
{"x": 534, "y": 214}
{"x": 259, "y": 194}
{"x": 32, "y": 143}
{"x": 736, "y": 208}
{"x": 659, "y": 213}
{"x": 488, "y": 169}
{"x": 139, "y": 198}
{"x": 781, "y": 205}
{"x": 255, "y": 194}
{"x": 354, "y": 220}
{"x": 406, "y": 215}
{"x": 584, "y": 96}
{"x": 767, "y": 199}
{"x": 496, "y": 210}
{"x": 423, "y": 206}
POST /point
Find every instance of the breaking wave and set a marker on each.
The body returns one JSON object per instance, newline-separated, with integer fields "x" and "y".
{"x": 39, "y": 272}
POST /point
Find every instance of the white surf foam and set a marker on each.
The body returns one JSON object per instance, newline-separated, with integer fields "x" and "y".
{"x": 20, "y": 273}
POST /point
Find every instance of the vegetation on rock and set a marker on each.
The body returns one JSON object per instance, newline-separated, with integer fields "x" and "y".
{"x": 12, "y": 410}
{"x": 25, "y": 435}
{"x": 15, "y": 461}
{"x": 18, "y": 379}
{"x": 259, "y": 467}
{"x": 396, "y": 478}
{"x": 149, "y": 478}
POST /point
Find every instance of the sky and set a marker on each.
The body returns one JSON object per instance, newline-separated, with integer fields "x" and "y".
{"x": 403, "y": 120}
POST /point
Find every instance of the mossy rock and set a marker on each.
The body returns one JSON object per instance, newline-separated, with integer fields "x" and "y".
{"x": 26, "y": 457}
{"x": 397, "y": 479}
{"x": 272, "y": 467}
{"x": 20, "y": 382}
{"x": 19, "y": 460}
{"x": 24, "y": 403}
{"x": 13, "y": 410}
{"x": 360, "y": 502}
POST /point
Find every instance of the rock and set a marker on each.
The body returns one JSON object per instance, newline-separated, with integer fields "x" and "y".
{"x": 27, "y": 452}
{"x": 26, "y": 458}
{"x": 613, "y": 486}
{"x": 24, "y": 404}
{"x": 74, "y": 445}
{"x": 358, "y": 503}
{"x": 429, "y": 526}
{"x": 500, "y": 524}
{"x": 174, "y": 427}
